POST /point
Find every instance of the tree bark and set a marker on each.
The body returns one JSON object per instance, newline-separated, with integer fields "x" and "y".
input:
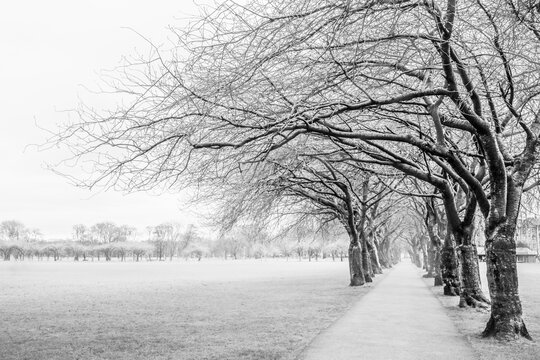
{"x": 450, "y": 267}
{"x": 434, "y": 225}
{"x": 374, "y": 255}
{"x": 430, "y": 260}
{"x": 438, "y": 281}
{"x": 355, "y": 265}
{"x": 359, "y": 220}
{"x": 385, "y": 258}
{"x": 416, "y": 257}
{"x": 471, "y": 293}
{"x": 425, "y": 258}
{"x": 375, "y": 263}
{"x": 366, "y": 262}
{"x": 434, "y": 267}
{"x": 506, "y": 322}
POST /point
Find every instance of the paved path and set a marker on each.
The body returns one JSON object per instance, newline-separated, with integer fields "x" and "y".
{"x": 398, "y": 319}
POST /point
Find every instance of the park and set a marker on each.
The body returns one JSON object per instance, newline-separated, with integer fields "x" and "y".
{"x": 351, "y": 180}
{"x": 216, "y": 309}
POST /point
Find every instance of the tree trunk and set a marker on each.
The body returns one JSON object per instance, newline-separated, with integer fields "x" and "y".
{"x": 434, "y": 267}
{"x": 438, "y": 281}
{"x": 366, "y": 265}
{"x": 450, "y": 267}
{"x": 434, "y": 225}
{"x": 506, "y": 320}
{"x": 430, "y": 260}
{"x": 355, "y": 265}
{"x": 415, "y": 257}
{"x": 429, "y": 265}
{"x": 385, "y": 258}
{"x": 374, "y": 255}
{"x": 471, "y": 293}
{"x": 425, "y": 258}
{"x": 375, "y": 262}
{"x": 366, "y": 262}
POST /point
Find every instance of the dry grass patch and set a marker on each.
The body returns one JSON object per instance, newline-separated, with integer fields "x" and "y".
{"x": 195, "y": 310}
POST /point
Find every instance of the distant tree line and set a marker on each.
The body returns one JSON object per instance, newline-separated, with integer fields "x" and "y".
{"x": 107, "y": 241}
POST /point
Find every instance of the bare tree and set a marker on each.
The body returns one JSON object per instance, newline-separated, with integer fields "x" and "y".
{"x": 404, "y": 84}
{"x": 13, "y": 230}
{"x": 318, "y": 186}
{"x": 80, "y": 233}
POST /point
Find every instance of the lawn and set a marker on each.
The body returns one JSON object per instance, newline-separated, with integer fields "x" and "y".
{"x": 472, "y": 322}
{"x": 246, "y": 309}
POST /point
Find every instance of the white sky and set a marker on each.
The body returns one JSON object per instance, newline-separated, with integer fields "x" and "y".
{"x": 49, "y": 49}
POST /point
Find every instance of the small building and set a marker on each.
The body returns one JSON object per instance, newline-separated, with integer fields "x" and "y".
{"x": 525, "y": 255}
{"x": 481, "y": 251}
{"x": 528, "y": 233}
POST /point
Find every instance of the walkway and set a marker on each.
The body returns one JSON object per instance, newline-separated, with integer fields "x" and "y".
{"x": 398, "y": 319}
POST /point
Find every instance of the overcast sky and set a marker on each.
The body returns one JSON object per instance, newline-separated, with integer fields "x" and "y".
{"x": 49, "y": 49}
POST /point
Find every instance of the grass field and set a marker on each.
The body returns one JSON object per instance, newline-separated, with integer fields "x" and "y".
{"x": 248, "y": 309}
{"x": 472, "y": 322}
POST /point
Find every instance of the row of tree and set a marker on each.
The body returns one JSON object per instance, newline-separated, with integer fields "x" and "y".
{"x": 99, "y": 233}
{"x": 103, "y": 233}
{"x": 105, "y": 240}
{"x": 151, "y": 250}
{"x": 318, "y": 109}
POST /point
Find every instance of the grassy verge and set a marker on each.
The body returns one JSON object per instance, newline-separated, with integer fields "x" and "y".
{"x": 194, "y": 310}
{"x": 471, "y": 322}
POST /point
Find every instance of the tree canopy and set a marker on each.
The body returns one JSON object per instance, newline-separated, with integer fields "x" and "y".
{"x": 442, "y": 91}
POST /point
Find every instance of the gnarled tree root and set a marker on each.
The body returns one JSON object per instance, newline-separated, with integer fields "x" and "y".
{"x": 506, "y": 329}
{"x": 357, "y": 281}
{"x": 473, "y": 300}
{"x": 450, "y": 289}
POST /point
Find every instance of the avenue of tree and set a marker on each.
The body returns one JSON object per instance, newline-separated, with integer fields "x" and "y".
{"x": 334, "y": 103}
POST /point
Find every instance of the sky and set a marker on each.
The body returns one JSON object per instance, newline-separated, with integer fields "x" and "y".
{"x": 51, "y": 51}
